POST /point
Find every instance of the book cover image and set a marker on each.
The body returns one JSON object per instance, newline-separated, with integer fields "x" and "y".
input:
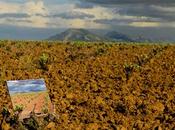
{"x": 29, "y": 96}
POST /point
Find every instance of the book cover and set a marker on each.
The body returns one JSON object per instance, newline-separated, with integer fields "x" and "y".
{"x": 29, "y": 96}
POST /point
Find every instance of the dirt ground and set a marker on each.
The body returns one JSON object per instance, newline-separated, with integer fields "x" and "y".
{"x": 38, "y": 102}
{"x": 98, "y": 86}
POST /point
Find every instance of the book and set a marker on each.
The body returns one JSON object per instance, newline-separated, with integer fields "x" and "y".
{"x": 30, "y": 96}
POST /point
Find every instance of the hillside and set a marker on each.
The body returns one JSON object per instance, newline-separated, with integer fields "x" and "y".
{"x": 76, "y": 35}
{"x": 113, "y": 35}
{"x": 85, "y": 35}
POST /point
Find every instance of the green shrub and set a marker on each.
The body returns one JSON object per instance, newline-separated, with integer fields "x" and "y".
{"x": 2, "y": 44}
{"x": 43, "y": 61}
{"x": 45, "y": 110}
{"x": 100, "y": 51}
{"x": 5, "y": 112}
{"x": 129, "y": 69}
{"x": 18, "y": 108}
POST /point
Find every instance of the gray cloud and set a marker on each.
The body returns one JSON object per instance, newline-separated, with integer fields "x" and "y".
{"x": 159, "y": 11}
{"x": 112, "y": 2}
{"x": 84, "y": 6}
{"x": 18, "y": 20}
{"x": 14, "y": 15}
{"x": 156, "y": 10}
{"x": 115, "y": 21}
{"x": 42, "y": 15}
{"x": 72, "y": 15}
{"x": 147, "y": 11}
{"x": 112, "y": 21}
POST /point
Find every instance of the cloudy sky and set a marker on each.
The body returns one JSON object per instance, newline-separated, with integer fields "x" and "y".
{"x": 21, "y": 86}
{"x": 53, "y": 15}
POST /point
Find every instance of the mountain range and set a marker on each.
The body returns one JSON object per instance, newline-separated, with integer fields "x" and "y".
{"x": 86, "y": 35}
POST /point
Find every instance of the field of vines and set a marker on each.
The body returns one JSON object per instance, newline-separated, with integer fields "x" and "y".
{"x": 115, "y": 86}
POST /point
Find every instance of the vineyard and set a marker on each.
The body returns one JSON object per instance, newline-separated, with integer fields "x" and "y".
{"x": 97, "y": 85}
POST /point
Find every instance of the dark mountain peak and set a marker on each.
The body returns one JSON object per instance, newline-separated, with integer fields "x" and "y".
{"x": 77, "y": 30}
{"x": 114, "y": 32}
{"x": 80, "y": 34}
{"x": 118, "y": 36}
{"x": 77, "y": 35}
